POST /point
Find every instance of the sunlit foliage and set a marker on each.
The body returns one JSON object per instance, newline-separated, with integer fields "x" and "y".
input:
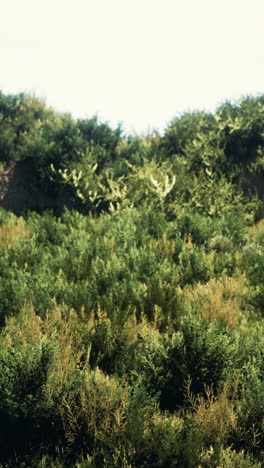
{"x": 131, "y": 312}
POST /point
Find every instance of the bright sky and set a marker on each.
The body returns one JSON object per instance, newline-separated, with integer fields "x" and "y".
{"x": 140, "y": 62}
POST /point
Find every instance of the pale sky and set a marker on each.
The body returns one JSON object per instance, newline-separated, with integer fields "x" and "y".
{"x": 139, "y": 62}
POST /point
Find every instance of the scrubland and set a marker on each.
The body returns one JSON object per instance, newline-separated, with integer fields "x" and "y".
{"x": 132, "y": 314}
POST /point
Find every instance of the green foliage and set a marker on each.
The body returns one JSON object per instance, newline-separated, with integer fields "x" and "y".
{"x": 132, "y": 323}
{"x": 24, "y": 374}
{"x": 26, "y": 415}
{"x": 242, "y": 128}
{"x": 197, "y": 352}
{"x": 252, "y": 262}
{"x": 251, "y": 411}
{"x": 183, "y": 130}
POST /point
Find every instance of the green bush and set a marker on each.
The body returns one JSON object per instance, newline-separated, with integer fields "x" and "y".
{"x": 252, "y": 263}
{"x": 198, "y": 352}
{"x": 26, "y": 414}
{"x": 132, "y": 329}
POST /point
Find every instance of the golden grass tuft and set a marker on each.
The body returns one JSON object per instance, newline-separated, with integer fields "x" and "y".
{"x": 215, "y": 415}
{"x": 28, "y": 328}
{"x": 97, "y": 408}
{"x": 219, "y": 299}
{"x": 165, "y": 246}
{"x": 24, "y": 329}
{"x": 12, "y": 231}
{"x": 256, "y": 229}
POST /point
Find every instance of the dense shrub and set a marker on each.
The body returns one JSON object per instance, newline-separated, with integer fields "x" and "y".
{"x": 132, "y": 325}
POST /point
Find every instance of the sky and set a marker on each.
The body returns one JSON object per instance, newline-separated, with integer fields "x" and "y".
{"x": 136, "y": 62}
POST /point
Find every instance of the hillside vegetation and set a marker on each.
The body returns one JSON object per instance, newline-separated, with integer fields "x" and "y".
{"x": 131, "y": 290}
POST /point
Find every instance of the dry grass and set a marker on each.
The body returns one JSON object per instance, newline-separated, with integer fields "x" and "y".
{"x": 67, "y": 337}
{"x": 214, "y": 415}
{"x": 165, "y": 246}
{"x": 226, "y": 458}
{"x": 256, "y": 229}
{"x": 28, "y": 328}
{"x": 12, "y": 231}
{"x": 97, "y": 408}
{"x": 165, "y": 419}
{"x": 188, "y": 242}
{"x": 131, "y": 330}
{"x": 24, "y": 329}
{"x": 219, "y": 299}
